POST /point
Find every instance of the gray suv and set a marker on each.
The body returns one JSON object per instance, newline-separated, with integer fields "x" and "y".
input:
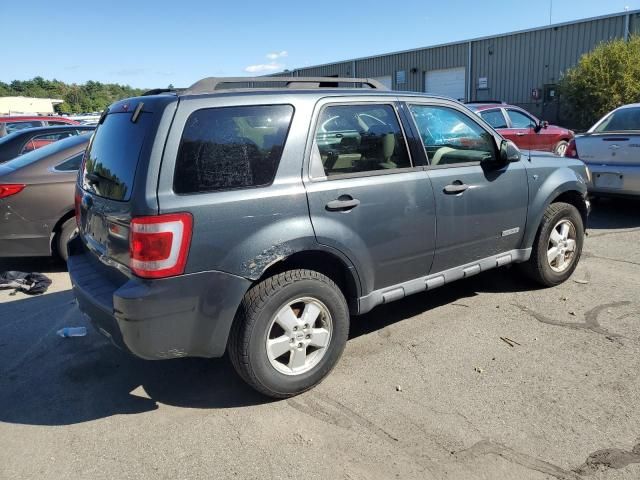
{"x": 254, "y": 216}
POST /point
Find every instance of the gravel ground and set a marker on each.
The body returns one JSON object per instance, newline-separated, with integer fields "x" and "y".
{"x": 426, "y": 388}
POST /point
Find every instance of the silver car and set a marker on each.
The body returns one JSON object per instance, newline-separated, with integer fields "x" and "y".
{"x": 611, "y": 150}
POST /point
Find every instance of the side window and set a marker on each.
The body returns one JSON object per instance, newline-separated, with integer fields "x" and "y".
{"x": 231, "y": 147}
{"x": 57, "y": 122}
{"x": 360, "y": 138}
{"x": 520, "y": 120}
{"x": 451, "y": 137}
{"x": 72, "y": 164}
{"x": 40, "y": 141}
{"x": 495, "y": 118}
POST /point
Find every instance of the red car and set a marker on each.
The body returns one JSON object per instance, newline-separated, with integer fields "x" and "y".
{"x": 522, "y": 128}
{"x": 12, "y": 124}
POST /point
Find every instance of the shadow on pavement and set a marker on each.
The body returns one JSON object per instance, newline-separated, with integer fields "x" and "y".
{"x": 612, "y": 213}
{"x": 33, "y": 264}
{"x": 48, "y": 380}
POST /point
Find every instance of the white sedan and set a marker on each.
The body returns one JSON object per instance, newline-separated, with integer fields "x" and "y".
{"x": 611, "y": 150}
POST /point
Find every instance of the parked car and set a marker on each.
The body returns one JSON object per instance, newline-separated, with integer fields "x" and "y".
{"x": 611, "y": 151}
{"x": 36, "y": 199}
{"x": 523, "y": 129}
{"x": 10, "y": 124}
{"x": 25, "y": 141}
{"x": 257, "y": 221}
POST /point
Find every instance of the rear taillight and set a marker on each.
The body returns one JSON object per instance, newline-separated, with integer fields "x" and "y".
{"x": 9, "y": 189}
{"x": 159, "y": 244}
{"x": 572, "y": 149}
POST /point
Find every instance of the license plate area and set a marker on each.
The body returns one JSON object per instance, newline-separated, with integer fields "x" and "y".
{"x": 608, "y": 180}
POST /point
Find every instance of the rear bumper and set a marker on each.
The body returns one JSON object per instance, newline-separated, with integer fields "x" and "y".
{"x": 621, "y": 179}
{"x": 185, "y": 316}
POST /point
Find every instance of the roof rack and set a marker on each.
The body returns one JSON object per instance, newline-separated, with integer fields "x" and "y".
{"x": 210, "y": 84}
{"x": 482, "y": 102}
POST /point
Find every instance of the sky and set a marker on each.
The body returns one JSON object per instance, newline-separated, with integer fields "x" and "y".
{"x": 151, "y": 44}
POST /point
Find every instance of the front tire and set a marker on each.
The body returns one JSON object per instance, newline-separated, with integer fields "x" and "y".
{"x": 289, "y": 333}
{"x": 561, "y": 148}
{"x": 557, "y": 247}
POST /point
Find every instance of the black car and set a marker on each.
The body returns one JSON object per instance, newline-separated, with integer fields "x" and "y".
{"x": 24, "y": 141}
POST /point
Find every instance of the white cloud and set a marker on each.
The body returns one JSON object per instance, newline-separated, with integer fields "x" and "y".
{"x": 264, "y": 67}
{"x": 276, "y": 55}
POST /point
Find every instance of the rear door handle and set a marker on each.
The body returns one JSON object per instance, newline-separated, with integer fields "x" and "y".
{"x": 455, "y": 188}
{"x": 343, "y": 203}
{"x": 520, "y": 134}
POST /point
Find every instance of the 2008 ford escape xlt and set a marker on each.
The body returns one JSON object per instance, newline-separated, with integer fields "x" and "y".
{"x": 255, "y": 218}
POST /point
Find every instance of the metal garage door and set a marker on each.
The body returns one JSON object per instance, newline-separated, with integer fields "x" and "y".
{"x": 386, "y": 81}
{"x": 449, "y": 82}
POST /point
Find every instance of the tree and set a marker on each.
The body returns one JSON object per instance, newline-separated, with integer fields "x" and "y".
{"x": 603, "y": 79}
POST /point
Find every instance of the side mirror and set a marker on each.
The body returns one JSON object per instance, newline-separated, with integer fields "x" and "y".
{"x": 542, "y": 125}
{"x": 509, "y": 152}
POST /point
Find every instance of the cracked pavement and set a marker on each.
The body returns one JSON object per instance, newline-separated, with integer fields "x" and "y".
{"x": 561, "y": 403}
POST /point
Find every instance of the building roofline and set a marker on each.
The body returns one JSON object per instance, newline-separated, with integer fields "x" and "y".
{"x": 461, "y": 42}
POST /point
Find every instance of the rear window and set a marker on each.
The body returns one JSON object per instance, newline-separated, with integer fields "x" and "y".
{"x": 112, "y": 157}
{"x": 36, "y": 155}
{"x": 621, "y": 120}
{"x": 231, "y": 147}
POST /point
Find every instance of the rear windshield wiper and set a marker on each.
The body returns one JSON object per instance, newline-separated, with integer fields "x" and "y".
{"x": 95, "y": 177}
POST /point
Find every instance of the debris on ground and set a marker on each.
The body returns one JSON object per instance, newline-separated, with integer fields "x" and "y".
{"x": 28, "y": 283}
{"x": 581, "y": 282}
{"x": 67, "y": 332}
{"x": 572, "y": 313}
{"x": 478, "y": 369}
{"x": 509, "y": 342}
{"x": 398, "y": 388}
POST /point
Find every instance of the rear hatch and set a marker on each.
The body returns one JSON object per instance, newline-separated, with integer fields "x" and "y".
{"x": 119, "y": 176}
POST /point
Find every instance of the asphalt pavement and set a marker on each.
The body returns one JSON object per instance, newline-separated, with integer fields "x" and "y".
{"x": 487, "y": 378}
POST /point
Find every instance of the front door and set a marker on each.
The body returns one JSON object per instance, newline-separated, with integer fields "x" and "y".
{"x": 367, "y": 198}
{"x": 480, "y": 208}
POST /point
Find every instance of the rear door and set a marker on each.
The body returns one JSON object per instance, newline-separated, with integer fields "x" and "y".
{"x": 108, "y": 178}
{"x": 367, "y": 197}
{"x": 481, "y": 209}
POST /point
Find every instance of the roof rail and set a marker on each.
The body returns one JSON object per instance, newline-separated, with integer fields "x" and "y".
{"x": 482, "y": 102}
{"x": 210, "y": 84}
{"x": 157, "y": 91}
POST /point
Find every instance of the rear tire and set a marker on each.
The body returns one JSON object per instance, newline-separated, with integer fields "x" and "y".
{"x": 290, "y": 332}
{"x": 560, "y": 148}
{"x": 63, "y": 236}
{"x": 557, "y": 247}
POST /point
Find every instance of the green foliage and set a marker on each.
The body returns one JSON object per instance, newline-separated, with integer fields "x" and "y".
{"x": 604, "y": 79}
{"x": 90, "y": 97}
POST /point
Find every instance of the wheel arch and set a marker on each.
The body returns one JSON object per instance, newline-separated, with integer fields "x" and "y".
{"x": 331, "y": 264}
{"x": 57, "y": 228}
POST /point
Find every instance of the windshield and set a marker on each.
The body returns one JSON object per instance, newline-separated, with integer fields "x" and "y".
{"x": 40, "y": 153}
{"x": 620, "y": 120}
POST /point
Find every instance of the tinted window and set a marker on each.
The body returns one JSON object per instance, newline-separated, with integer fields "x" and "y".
{"x": 231, "y": 147}
{"x": 520, "y": 120}
{"x": 57, "y": 122}
{"x": 450, "y": 137}
{"x": 360, "y": 138}
{"x": 621, "y": 120}
{"x": 112, "y": 157}
{"x": 495, "y": 118}
{"x": 72, "y": 164}
{"x": 31, "y": 157}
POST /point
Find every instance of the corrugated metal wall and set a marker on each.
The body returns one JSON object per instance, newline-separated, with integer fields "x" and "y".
{"x": 513, "y": 64}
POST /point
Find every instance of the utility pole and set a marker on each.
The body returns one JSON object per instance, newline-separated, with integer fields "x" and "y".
{"x": 550, "y": 10}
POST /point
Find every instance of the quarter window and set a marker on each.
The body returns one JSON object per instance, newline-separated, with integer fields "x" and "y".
{"x": 360, "y": 138}
{"x": 520, "y": 120}
{"x": 451, "y": 137}
{"x": 495, "y": 118}
{"x": 72, "y": 164}
{"x": 231, "y": 147}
